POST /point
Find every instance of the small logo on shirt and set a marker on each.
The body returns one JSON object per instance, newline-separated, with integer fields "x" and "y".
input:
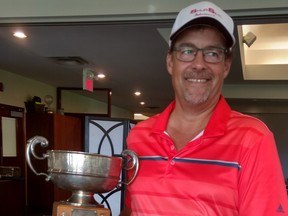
{"x": 280, "y": 209}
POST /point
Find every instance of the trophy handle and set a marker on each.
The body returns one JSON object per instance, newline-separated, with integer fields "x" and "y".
{"x": 131, "y": 163}
{"x": 31, "y": 143}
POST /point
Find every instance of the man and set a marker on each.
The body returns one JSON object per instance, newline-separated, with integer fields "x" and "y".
{"x": 198, "y": 157}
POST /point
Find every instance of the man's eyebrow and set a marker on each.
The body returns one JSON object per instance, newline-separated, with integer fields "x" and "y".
{"x": 193, "y": 46}
{"x": 186, "y": 45}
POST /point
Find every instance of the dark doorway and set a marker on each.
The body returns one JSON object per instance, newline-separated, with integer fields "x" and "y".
{"x": 12, "y": 160}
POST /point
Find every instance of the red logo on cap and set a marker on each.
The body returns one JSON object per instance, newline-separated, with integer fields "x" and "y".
{"x": 202, "y": 11}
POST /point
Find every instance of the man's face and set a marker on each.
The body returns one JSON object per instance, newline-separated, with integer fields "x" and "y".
{"x": 197, "y": 82}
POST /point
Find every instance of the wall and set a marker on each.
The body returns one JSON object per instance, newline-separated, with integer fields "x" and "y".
{"x": 18, "y": 89}
{"x": 72, "y": 102}
{"x": 256, "y": 91}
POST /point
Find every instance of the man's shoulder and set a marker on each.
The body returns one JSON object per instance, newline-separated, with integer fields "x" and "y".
{"x": 245, "y": 120}
{"x": 147, "y": 122}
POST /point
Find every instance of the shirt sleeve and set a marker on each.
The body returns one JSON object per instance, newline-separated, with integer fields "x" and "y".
{"x": 262, "y": 188}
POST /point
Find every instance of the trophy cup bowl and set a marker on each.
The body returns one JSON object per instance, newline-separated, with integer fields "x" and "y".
{"x": 83, "y": 173}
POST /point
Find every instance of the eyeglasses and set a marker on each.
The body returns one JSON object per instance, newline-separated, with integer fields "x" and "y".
{"x": 210, "y": 54}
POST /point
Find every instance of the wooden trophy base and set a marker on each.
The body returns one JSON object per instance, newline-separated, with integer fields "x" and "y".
{"x": 66, "y": 209}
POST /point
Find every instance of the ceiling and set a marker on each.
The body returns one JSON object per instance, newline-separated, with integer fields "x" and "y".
{"x": 130, "y": 54}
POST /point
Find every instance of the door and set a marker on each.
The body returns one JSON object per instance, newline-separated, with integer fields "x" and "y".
{"x": 12, "y": 160}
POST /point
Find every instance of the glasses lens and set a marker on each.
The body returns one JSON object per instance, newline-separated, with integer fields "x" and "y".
{"x": 213, "y": 55}
{"x": 186, "y": 53}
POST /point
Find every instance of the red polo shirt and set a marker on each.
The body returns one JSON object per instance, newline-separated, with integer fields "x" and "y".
{"x": 232, "y": 169}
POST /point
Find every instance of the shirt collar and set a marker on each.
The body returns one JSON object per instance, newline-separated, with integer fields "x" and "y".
{"x": 215, "y": 127}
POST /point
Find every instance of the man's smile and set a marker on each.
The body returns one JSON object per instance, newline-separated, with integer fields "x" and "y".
{"x": 197, "y": 80}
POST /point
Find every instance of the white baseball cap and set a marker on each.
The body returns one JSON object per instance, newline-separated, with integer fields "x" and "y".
{"x": 205, "y": 13}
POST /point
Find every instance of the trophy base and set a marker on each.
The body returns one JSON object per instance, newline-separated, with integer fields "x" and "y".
{"x": 65, "y": 209}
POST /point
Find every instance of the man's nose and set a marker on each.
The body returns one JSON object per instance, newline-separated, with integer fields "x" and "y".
{"x": 199, "y": 60}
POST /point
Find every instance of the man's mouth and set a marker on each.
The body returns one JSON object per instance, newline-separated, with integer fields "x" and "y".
{"x": 197, "y": 80}
{"x": 196, "y": 77}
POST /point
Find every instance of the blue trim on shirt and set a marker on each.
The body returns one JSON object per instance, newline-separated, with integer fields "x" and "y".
{"x": 194, "y": 160}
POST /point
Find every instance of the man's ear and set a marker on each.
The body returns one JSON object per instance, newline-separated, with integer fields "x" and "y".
{"x": 227, "y": 66}
{"x": 169, "y": 63}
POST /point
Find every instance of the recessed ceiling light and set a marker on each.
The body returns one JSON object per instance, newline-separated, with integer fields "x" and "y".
{"x": 137, "y": 93}
{"x": 101, "y": 76}
{"x": 142, "y": 103}
{"x": 19, "y": 35}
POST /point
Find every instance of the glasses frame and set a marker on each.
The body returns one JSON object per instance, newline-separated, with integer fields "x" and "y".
{"x": 203, "y": 50}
